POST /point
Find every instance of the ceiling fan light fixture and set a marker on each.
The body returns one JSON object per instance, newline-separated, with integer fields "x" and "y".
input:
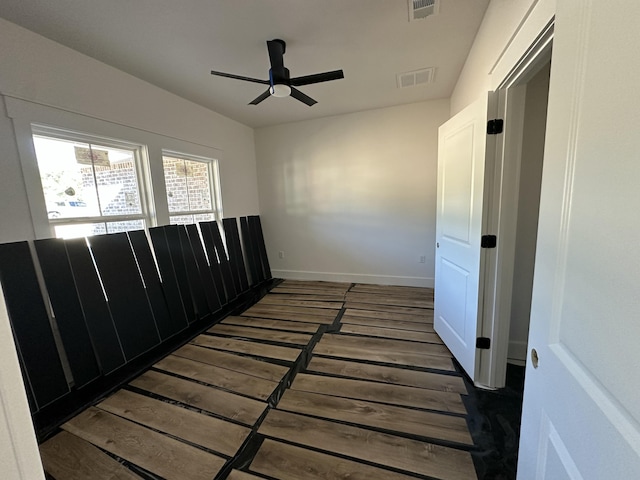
{"x": 280, "y": 90}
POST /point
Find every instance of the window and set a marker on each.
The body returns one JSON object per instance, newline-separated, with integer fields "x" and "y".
{"x": 193, "y": 189}
{"x": 91, "y": 186}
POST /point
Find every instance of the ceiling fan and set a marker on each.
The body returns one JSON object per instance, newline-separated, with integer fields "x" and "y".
{"x": 280, "y": 84}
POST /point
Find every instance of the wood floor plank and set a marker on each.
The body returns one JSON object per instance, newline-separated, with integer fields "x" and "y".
{"x": 427, "y": 425}
{"x": 380, "y": 392}
{"x": 391, "y": 333}
{"x": 385, "y": 345}
{"x": 153, "y": 451}
{"x": 309, "y": 291}
{"x": 315, "y": 319}
{"x": 237, "y": 382}
{"x": 326, "y": 313}
{"x": 367, "y": 287}
{"x": 393, "y": 375}
{"x": 209, "y": 432}
{"x": 419, "y": 294}
{"x": 378, "y": 299}
{"x": 261, "y": 334}
{"x": 317, "y": 283}
{"x": 230, "y": 361}
{"x": 426, "y": 316}
{"x": 381, "y": 309}
{"x": 287, "y": 462}
{"x": 225, "y": 404}
{"x": 67, "y": 457}
{"x": 273, "y": 324}
{"x": 252, "y": 348}
{"x": 320, "y": 297}
{"x": 381, "y": 448}
{"x": 410, "y": 359}
{"x": 285, "y": 301}
{"x": 383, "y": 323}
{"x": 238, "y": 475}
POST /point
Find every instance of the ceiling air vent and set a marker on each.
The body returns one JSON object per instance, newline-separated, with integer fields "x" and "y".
{"x": 422, "y": 8}
{"x": 415, "y": 78}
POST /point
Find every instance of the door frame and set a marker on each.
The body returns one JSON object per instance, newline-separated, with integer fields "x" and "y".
{"x": 502, "y": 207}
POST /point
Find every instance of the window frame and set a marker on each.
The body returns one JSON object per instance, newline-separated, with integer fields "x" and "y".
{"x": 141, "y": 162}
{"x": 213, "y": 170}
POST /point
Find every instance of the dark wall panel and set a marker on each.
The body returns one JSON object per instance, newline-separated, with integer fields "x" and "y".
{"x": 125, "y": 292}
{"x": 96, "y": 311}
{"x": 211, "y": 234}
{"x": 164, "y": 297}
{"x": 230, "y": 226}
{"x": 172, "y": 267}
{"x": 195, "y": 283}
{"x": 30, "y": 323}
{"x": 67, "y": 310}
{"x": 206, "y": 277}
{"x": 253, "y": 262}
{"x": 264, "y": 259}
{"x": 214, "y": 263}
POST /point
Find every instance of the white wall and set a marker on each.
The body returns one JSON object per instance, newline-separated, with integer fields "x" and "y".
{"x": 352, "y": 197}
{"x": 507, "y": 29}
{"x": 535, "y": 122}
{"x": 44, "y": 72}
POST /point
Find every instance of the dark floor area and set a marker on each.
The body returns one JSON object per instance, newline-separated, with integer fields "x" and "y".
{"x": 494, "y": 423}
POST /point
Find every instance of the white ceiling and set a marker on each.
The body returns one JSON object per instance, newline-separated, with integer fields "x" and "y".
{"x": 175, "y": 43}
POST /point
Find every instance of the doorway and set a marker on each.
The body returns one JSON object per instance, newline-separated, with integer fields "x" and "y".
{"x": 528, "y": 200}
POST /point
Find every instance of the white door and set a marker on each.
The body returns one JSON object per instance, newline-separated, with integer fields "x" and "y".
{"x": 581, "y": 417}
{"x": 465, "y": 159}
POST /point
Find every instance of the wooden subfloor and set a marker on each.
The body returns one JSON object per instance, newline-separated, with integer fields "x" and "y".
{"x": 317, "y": 381}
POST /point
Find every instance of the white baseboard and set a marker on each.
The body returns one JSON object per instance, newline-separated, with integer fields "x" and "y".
{"x": 354, "y": 278}
{"x": 517, "y": 352}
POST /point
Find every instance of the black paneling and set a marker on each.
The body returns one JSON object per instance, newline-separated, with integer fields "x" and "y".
{"x": 211, "y": 234}
{"x": 164, "y": 297}
{"x": 67, "y": 310}
{"x": 210, "y": 289}
{"x": 195, "y": 283}
{"x": 30, "y": 322}
{"x": 173, "y": 271}
{"x": 250, "y": 253}
{"x": 214, "y": 264}
{"x": 255, "y": 242}
{"x": 96, "y": 311}
{"x": 264, "y": 259}
{"x": 235, "y": 251}
{"x": 125, "y": 292}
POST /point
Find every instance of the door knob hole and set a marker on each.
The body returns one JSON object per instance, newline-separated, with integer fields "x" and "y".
{"x": 534, "y": 358}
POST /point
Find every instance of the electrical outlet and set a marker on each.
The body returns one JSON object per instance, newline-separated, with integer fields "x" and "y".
{"x": 280, "y": 254}
{"x": 423, "y": 259}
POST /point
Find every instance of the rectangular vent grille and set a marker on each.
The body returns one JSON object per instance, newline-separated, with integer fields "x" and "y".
{"x": 419, "y": 9}
{"x": 415, "y": 78}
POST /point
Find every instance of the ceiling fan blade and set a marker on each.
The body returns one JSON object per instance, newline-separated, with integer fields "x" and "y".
{"x": 298, "y": 95}
{"x": 260, "y": 98}
{"x": 239, "y": 77}
{"x": 317, "y": 78}
{"x": 276, "y": 49}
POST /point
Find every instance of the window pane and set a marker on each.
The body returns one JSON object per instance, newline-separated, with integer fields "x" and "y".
{"x": 181, "y": 219}
{"x": 68, "y": 186}
{"x": 80, "y": 230}
{"x": 189, "y": 219}
{"x": 188, "y": 184}
{"x": 125, "y": 226}
{"x": 117, "y": 182}
{"x": 198, "y": 185}
{"x": 69, "y": 172}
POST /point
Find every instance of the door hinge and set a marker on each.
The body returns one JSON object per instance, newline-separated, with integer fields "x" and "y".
{"x": 495, "y": 126}
{"x": 483, "y": 343}
{"x": 488, "y": 241}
